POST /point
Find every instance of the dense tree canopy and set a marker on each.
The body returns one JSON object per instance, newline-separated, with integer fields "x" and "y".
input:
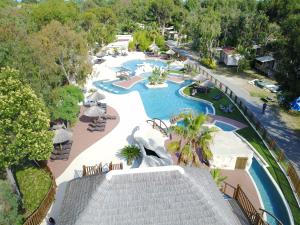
{"x": 48, "y": 41}
{"x": 24, "y": 122}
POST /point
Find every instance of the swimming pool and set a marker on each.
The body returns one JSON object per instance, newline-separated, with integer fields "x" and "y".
{"x": 269, "y": 194}
{"x": 132, "y": 65}
{"x": 225, "y": 126}
{"x": 160, "y": 103}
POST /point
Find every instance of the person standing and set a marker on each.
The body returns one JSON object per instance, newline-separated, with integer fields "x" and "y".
{"x": 264, "y": 108}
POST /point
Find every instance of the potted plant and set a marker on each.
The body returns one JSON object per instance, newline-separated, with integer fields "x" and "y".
{"x": 130, "y": 153}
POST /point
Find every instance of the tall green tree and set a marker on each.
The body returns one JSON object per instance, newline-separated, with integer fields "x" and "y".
{"x": 64, "y": 103}
{"x": 161, "y": 12}
{"x": 49, "y": 10}
{"x": 193, "y": 136}
{"x": 288, "y": 56}
{"x": 205, "y": 29}
{"x": 24, "y": 122}
{"x": 61, "y": 54}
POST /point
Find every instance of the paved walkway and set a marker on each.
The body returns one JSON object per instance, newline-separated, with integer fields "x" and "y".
{"x": 241, "y": 177}
{"x": 127, "y": 84}
{"x": 82, "y": 139}
{"x": 283, "y": 135}
{"x": 175, "y": 79}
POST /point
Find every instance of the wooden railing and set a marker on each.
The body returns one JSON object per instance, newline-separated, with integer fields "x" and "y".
{"x": 98, "y": 169}
{"x": 159, "y": 124}
{"x": 40, "y": 213}
{"x": 276, "y": 151}
{"x": 254, "y": 217}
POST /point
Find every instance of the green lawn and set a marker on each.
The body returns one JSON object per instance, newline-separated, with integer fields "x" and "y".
{"x": 236, "y": 115}
{"x": 176, "y": 71}
{"x": 34, "y": 183}
{"x": 252, "y": 137}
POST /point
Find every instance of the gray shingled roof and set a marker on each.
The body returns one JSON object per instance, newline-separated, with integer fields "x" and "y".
{"x": 153, "y": 198}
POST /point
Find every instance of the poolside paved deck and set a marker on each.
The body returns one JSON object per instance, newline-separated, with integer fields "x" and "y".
{"x": 129, "y": 83}
{"x": 82, "y": 139}
{"x": 175, "y": 79}
{"x": 241, "y": 177}
{"x": 234, "y": 177}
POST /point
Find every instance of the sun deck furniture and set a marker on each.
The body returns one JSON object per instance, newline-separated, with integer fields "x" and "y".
{"x": 61, "y": 152}
{"x": 92, "y": 129}
{"x": 227, "y": 109}
{"x": 194, "y": 92}
{"x": 218, "y": 97}
{"x": 93, "y": 125}
{"x": 109, "y": 117}
{"x": 59, "y": 157}
{"x": 97, "y": 122}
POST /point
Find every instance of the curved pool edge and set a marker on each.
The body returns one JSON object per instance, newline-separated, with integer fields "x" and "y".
{"x": 265, "y": 166}
{"x": 257, "y": 192}
{"x": 197, "y": 99}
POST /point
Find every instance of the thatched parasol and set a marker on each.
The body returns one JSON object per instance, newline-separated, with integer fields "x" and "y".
{"x": 61, "y": 135}
{"x": 170, "y": 52}
{"x": 96, "y": 96}
{"x": 94, "y": 111}
{"x": 153, "y": 47}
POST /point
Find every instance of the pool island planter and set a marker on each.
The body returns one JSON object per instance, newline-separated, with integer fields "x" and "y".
{"x": 153, "y": 86}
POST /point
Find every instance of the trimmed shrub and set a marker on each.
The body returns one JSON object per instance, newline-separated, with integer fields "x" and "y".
{"x": 209, "y": 62}
{"x": 130, "y": 153}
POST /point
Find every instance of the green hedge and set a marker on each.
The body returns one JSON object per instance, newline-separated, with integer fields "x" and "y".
{"x": 34, "y": 183}
{"x": 208, "y": 62}
{"x": 9, "y": 206}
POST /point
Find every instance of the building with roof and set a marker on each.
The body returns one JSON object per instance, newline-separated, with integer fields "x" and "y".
{"x": 120, "y": 44}
{"x": 265, "y": 64}
{"x": 168, "y": 195}
{"x": 230, "y": 57}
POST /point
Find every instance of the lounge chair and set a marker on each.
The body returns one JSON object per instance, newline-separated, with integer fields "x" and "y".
{"x": 109, "y": 117}
{"x": 224, "y": 108}
{"x": 97, "y": 122}
{"x": 61, "y": 152}
{"x": 194, "y": 92}
{"x": 59, "y": 157}
{"x": 92, "y": 129}
{"x": 230, "y": 108}
{"x": 97, "y": 125}
{"x": 102, "y": 104}
{"x": 218, "y": 97}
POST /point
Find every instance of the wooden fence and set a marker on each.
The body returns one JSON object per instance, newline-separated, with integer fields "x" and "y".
{"x": 271, "y": 143}
{"x": 254, "y": 217}
{"x": 40, "y": 213}
{"x": 98, "y": 169}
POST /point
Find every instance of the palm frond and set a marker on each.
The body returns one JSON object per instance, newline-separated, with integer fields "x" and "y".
{"x": 174, "y": 146}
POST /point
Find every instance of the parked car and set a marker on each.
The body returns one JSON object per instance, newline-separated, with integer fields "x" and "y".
{"x": 273, "y": 88}
{"x": 261, "y": 83}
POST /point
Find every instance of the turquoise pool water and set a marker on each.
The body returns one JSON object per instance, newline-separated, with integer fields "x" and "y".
{"x": 165, "y": 102}
{"x": 225, "y": 126}
{"x": 269, "y": 194}
{"x": 132, "y": 65}
{"x": 160, "y": 103}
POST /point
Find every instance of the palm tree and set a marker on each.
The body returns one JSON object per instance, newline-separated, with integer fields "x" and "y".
{"x": 218, "y": 178}
{"x": 193, "y": 136}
